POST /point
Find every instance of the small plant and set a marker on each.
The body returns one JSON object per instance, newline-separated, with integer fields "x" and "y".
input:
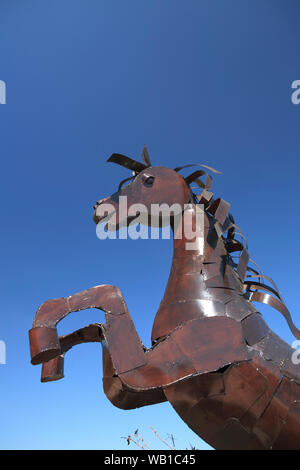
{"x": 138, "y": 440}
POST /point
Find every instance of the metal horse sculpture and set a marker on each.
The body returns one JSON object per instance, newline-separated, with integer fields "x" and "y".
{"x": 213, "y": 357}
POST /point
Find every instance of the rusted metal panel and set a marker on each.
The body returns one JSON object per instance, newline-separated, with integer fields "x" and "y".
{"x": 288, "y": 437}
{"x": 53, "y": 369}
{"x": 210, "y": 348}
{"x": 44, "y": 344}
{"x": 254, "y": 328}
{"x": 121, "y": 335}
{"x": 171, "y": 315}
{"x": 239, "y": 309}
{"x": 235, "y": 437}
{"x": 269, "y": 426}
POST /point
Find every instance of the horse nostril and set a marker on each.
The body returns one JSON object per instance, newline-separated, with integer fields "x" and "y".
{"x": 99, "y": 202}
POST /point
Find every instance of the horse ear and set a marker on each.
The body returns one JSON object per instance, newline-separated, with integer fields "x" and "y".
{"x": 146, "y": 156}
{"x": 127, "y": 162}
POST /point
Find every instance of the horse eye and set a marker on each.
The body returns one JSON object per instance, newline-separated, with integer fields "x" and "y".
{"x": 149, "y": 181}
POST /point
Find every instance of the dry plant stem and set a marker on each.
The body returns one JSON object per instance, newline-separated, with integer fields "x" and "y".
{"x": 129, "y": 438}
{"x": 142, "y": 440}
{"x": 157, "y": 435}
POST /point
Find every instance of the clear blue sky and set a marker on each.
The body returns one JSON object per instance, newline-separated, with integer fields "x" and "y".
{"x": 198, "y": 81}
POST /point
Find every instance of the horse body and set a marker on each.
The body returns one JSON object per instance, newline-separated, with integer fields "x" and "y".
{"x": 232, "y": 406}
{"x": 213, "y": 357}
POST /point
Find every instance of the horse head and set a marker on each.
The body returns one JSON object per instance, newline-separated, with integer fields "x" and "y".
{"x": 148, "y": 186}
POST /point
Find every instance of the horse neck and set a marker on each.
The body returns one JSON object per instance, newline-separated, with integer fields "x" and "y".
{"x": 187, "y": 292}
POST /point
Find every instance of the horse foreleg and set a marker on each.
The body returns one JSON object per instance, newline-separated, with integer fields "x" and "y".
{"x": 122, "y": 348}
{"x": 54, "y": 369}
{"x": 127, "y": 352}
